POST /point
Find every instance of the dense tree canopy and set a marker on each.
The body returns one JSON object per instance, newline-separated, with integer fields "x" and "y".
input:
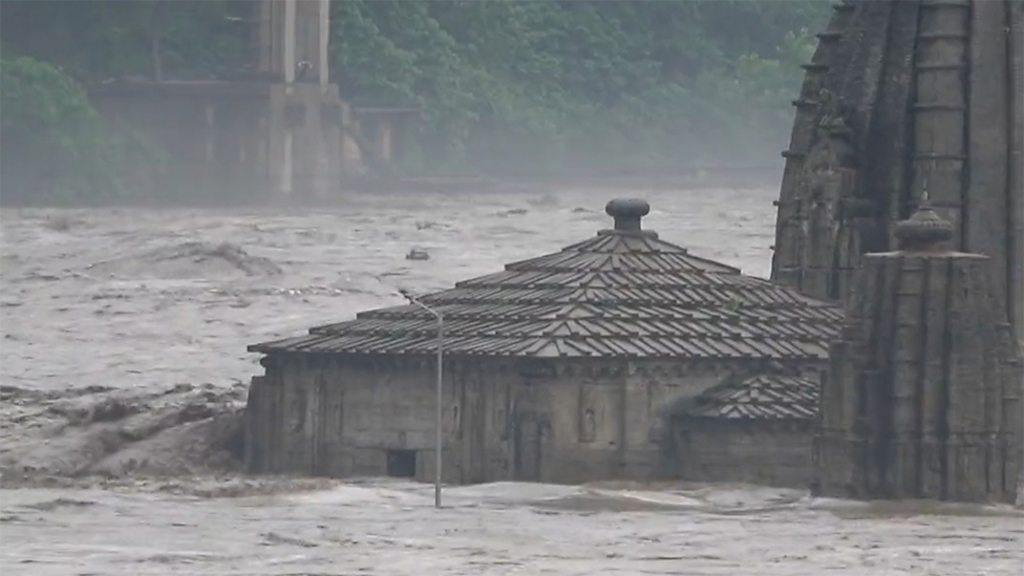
{"x": 51, "y": 135}
{"x": 539, "y": 86}
{"x": 531, "y": 87}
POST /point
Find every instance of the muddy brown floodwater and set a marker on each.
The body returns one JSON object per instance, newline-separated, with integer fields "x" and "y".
{"x": 124, "y": 373}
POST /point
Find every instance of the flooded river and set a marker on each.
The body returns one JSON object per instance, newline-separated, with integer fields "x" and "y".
{"x": 124, "y": 367}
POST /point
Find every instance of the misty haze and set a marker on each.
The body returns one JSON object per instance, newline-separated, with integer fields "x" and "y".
{"x": 511, "y": 287}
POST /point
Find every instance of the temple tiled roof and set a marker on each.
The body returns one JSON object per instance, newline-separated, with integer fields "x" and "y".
{"x": 766, "y": 396}
{"x": 622, "y": 293}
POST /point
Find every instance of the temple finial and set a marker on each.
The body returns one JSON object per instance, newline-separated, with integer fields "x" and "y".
{"x": 925, "y": 230}
{"x": 627, "y": 213}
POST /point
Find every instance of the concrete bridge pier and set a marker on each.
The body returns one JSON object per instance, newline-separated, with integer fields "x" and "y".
{"x": 305, "y": 112}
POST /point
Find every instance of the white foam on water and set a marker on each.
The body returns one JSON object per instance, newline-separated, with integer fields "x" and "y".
{"x": 143, "y": 326}
{"x": 384, "y": 527}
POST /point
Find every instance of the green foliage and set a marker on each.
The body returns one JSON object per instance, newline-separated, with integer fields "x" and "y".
{"x": 52, "y": 139}
{"x": 94, "y": 40}
{"x": 55, "y": 146}
{"x": 552, "y": 86}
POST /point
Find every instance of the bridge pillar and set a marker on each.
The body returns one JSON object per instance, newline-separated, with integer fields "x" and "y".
{"x": 306, "y": 112}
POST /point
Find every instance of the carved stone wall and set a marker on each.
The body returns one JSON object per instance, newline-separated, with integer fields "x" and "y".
{"x": 765, "y": 452}
{"x": 504, "y": 419}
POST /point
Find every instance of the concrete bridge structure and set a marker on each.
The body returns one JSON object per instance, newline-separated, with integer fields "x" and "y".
{"x": 279, "y": 131}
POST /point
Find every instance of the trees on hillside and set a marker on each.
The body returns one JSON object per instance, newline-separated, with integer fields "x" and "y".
{"x": 51, "y": 139}
{"x": 555, "y": 85}
{"x": 505, "y": 87}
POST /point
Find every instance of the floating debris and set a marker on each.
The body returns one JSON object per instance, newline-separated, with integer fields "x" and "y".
{"x": 417, "y": 254}
{"x": 513, "y": 212}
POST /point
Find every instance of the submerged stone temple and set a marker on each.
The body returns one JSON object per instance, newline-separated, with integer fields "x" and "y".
{"x": 923, "y": 396}
{"x": 904, "y": 97}
{"x": 625, "y": 356}
{"x": 608, "y": 359}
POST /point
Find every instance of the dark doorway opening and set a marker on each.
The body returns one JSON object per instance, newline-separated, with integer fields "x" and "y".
{"x": 402, "y": 463}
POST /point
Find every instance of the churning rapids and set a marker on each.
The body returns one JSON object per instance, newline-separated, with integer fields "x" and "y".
{"x": 124, "y": 374}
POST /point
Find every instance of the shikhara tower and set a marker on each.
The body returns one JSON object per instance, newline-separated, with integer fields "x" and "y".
{"x": 901, "y": 98}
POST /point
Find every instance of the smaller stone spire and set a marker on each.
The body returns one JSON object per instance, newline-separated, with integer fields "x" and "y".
{"x": 925, "y": 230}
{"x": 923, "y": 395}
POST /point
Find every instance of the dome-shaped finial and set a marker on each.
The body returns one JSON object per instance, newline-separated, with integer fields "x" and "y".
{"x": 924, "y": 230}
{"x": 627, "y": 213}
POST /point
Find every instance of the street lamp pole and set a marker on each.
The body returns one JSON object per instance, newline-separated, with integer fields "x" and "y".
{"x": 439, "y": 402}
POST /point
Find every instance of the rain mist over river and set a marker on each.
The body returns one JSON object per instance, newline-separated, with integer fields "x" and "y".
{"x": 123, "y": 354}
